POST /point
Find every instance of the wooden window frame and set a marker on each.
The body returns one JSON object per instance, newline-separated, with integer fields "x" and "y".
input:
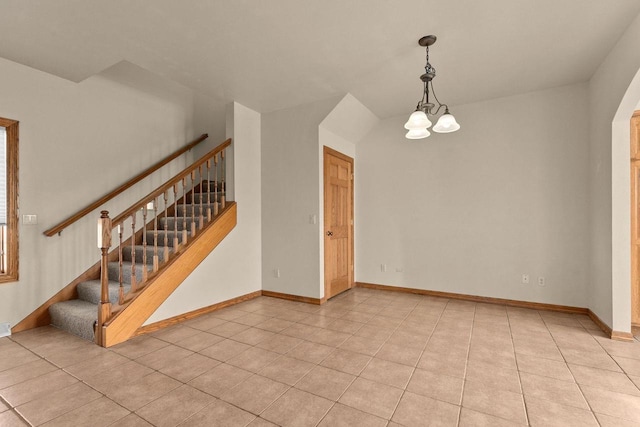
{"x": 11, "y": 127}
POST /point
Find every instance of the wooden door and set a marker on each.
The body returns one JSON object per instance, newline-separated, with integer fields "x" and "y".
{"x": 635, "y": 216}
{"x": 338, "y": 222}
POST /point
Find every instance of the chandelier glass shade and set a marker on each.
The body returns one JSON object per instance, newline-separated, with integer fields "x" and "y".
{"x": 418, "y": 124}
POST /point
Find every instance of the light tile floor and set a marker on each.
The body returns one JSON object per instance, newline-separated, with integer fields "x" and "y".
{"x": 366, "y": 358}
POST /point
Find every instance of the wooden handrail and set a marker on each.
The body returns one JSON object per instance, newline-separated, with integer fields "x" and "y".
{"x": 73, "y": 218}
{"x": 173, "y": 181}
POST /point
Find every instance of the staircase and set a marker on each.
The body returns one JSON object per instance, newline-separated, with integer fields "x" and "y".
{"x": 78, "y": 316}
{"x": 159, "y": 241}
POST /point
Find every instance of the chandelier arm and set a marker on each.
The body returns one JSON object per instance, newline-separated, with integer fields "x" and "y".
{"x": 426, "y": 92}
{"x": 425, "y": 96}
{"x": 436, "y": 98}
{"x": 440, "y": 107}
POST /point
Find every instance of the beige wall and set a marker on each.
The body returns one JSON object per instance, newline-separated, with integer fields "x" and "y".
{"x": 234, "y": 267}
{"x": 77, "y": 142}
{"x": 472, "y": 211}
{"x": 292, "y": 188}
{"x": 290, "y": 197}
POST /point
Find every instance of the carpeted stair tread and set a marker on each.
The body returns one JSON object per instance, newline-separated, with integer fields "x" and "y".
{"x": 90, "y": 291}
{"x": 75, "y": 316}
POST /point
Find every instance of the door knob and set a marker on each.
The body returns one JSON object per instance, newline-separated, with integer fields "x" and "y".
{"x": 329, "y": 233}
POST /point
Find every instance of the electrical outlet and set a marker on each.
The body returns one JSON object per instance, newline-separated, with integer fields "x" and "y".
{"x": 525, "y": 279}
{"x": 383, "y": 268}
{"x": 399, "y": 269}
{"x": 276, "y": 273}
{"x": 313, "y": 219}
{"x": 541, "y": 281}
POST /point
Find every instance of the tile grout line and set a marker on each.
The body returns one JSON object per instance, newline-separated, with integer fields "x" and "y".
{"x": 580, "y": 387}
{"x": 378, "y": 350}
{"x": 420, "y": 357}
{"x": 412, "y": 372}
{"x": 15, "y": 411}
{"x": 169, "y": 343}
{"x": 466, "y": 362}
{"x": 57, "y": 368}
{"x": 305, "y": 375}
{"x": 300, "y": 379}
{"x": 371, "y": 358}
{"x": 108, "y": 397}
{"x": 362, "y": 370}
{"x": 517, "y": 371}
{"x": 515, "y": 356}
{"x": 569, "y": 369}
{"x": 355, "y": 377}
{"x": 252, "y": 346}
{"x": 622, "y": 370}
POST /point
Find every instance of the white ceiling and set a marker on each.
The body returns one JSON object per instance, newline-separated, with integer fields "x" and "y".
{"x": 275, "y": 54}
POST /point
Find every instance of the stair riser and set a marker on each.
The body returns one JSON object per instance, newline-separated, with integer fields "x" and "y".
{"x": 170, "y": 223}
{"x": 205, "y": 197}
{"x": 211, "y": 187}
{"x": 161, "y": 233}
{"x": 191, "y": 208}
{"x": 76, "y": 317}
{"x": 127, "y": 274}
{"x": 91, "y": 291}
{"x": 126, "y": 253}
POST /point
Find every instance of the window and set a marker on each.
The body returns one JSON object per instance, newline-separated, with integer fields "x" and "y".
{"x": 8, "y": 200}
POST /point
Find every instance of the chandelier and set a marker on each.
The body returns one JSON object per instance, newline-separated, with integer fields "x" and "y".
{"x": 418, "y": 124}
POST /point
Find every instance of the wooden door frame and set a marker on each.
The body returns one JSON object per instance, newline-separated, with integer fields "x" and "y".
{"x": 635, "y": 221}
{"x": 11, "y": 180}
{"x": 330, "y": 151}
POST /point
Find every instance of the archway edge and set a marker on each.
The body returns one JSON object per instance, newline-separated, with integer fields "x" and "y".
{"x": 613, "y": 93}
{"x": 621, "y": 207}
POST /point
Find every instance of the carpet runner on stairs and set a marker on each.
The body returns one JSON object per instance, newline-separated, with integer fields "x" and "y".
{"x": 78, "y": 316}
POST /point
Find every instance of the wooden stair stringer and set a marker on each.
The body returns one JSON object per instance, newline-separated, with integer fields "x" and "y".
{"x": 131, "y": 317}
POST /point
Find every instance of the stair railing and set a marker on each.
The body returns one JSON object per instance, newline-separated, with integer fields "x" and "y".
{"x": 163, "y": 217}
{"x": 57, "y": 229}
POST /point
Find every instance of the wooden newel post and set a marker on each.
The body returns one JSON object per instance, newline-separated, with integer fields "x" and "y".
{"x": 104, "y": 243}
